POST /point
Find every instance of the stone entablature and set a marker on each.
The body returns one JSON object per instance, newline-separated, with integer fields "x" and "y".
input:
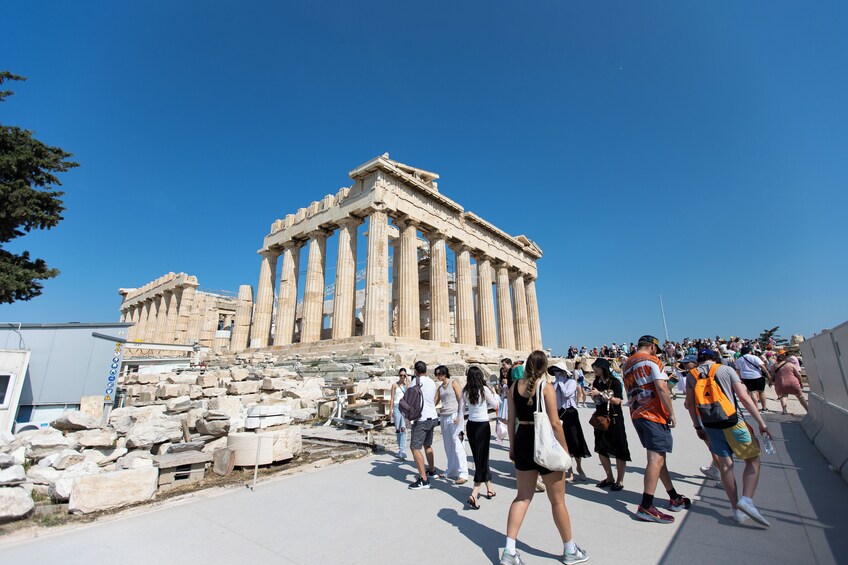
{"x": 383, "y": 191}
{"x": 170, "y": 310}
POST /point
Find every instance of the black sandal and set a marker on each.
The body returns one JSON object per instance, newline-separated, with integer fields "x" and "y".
{"x": 617, "y": 486}
{"x": 472, "y": 502}
{"x": 605, "y": 483}
{"x": 490, "y": 494}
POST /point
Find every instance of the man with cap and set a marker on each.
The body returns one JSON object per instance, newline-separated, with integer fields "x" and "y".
{"x": 653, "y": 417}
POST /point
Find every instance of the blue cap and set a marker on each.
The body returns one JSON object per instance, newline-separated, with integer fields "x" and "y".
{"x": 689, "y": 359}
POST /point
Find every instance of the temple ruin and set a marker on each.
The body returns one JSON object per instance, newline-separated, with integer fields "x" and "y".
{"x": 410, "y": 297}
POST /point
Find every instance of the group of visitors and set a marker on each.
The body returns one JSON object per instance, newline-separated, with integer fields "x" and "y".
{"x": 713, "y": 390}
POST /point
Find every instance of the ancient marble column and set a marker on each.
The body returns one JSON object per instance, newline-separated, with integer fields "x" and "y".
{"x": 161, "y": 318}
{"x": 141, "y": 328}
{"x": 465, "y": 331}
{"x": 506, "y": 329}
{"x": 533, "y": 315}
{"x": 439, "y": 304}
{"x": 186, "y": 303}
{"x": 287, "y": 294}
{"x": 488, "y": 332}
{"x": 152, "y": 313}
{"x": 260, "y": 332}
{"x": 195, "y": 320}
{"x": 344, "y": 302}
{"x": 376, "y": 321}
{"x": 522, "y": 325}
{"x": 409, "y": 306}
{"x": 171, "y": 319}
{"x": 313, "y": 291}
{"x": 241, "y": 329}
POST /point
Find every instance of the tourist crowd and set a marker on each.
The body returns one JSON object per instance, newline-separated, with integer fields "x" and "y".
{"x": 716, "y": 376}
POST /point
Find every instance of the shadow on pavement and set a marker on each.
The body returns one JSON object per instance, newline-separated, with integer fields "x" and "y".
{"x": 804, "y": 501}
{"x": 484, "y": 537}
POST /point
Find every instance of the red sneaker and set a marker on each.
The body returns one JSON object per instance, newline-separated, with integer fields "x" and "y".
{"x": 653, "y": 515}
{"x": 676, "y": 505}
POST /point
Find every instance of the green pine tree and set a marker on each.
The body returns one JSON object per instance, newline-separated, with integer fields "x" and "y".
{"x": 28, "y": 201}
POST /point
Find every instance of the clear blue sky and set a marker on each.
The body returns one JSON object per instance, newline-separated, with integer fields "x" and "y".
{"x": 694, "y": 149}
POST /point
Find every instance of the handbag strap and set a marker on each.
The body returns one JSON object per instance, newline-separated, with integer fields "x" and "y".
{"x": 540, "y": 401}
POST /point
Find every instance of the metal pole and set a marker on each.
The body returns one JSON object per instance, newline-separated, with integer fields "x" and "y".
{"x": 662, "y": 309}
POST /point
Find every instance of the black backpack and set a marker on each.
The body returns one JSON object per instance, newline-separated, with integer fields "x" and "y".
{"x": 412, "y": 402}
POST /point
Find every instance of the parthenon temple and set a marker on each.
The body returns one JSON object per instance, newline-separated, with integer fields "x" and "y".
{"x": 435, "y": 275}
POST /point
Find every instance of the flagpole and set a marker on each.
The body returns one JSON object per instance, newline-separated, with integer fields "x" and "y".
{"x": 662, "y": 309}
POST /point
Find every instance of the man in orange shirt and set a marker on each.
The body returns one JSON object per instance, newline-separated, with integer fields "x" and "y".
{"x": 653, "y": 418}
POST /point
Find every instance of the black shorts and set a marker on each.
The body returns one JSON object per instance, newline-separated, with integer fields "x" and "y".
{"x": 755, "y": 384}
{"x": 525, "y": 439}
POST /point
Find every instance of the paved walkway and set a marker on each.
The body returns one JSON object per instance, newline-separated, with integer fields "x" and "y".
{"x": 362, "y": 512}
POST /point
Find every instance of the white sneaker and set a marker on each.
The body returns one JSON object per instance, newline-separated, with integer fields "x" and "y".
{"x": 711, "y": 473}
{"x": 751, "y": 510}
{"x": 739, "y": 517}
{"x": 510, "y": 558}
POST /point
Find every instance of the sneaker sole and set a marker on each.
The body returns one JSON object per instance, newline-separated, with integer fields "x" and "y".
{"x": 649, "y": 518}
{"x": 760, "y": 520}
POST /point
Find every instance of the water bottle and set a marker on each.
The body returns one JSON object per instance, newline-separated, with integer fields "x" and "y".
{"x": 768, "y": 446}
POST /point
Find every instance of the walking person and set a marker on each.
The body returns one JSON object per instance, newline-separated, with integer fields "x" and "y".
{"x": 580, "y": 379}
{"x": 449, "y": 394}
{"x": 523, "y": 402}
{"x": 608, "y": 394}
{"x": 422, "y": 428}
{"x": 787, "y": 380}
{"x": 711, "y": 395}
{"x": 566, "y": 389}
{"x": 503, "y": 409}
{"x": 653, "y": 417}
{"x": 401, "y": 431}
{"x": 751, "y": 369}
{"x": 476, "y": 400}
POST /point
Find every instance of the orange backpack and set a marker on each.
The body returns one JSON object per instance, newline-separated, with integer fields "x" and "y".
{"x": 713, "y": 403}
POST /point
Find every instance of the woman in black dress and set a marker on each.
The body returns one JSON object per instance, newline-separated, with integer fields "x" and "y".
{"x": 608, "y": 391}
{"x": 566, "y": 389}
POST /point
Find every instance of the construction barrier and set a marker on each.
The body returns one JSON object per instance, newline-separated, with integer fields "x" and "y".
{"x": 826, "y": 359}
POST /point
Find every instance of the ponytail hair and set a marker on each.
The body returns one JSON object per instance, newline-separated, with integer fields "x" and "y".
{"x": 535, "y": 368}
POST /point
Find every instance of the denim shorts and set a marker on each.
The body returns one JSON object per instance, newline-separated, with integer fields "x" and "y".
{"x": 653, "y": 435}
{"x": 736, "y": 440}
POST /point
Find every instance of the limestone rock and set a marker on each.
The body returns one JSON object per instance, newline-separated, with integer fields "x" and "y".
{"x": 113, "y": 490}
{"x": 135, "y": 460}
{"x": 273, "y": 383}
{"x": 215, "y": 415}
{"x": 65, "y": 459}
{"x": 239, "y": 374}
{"x": 12, "y": 475}
{"x": 165, "y": 391}
{"x": 74, "y": 421}
{"x": 179, "y": 404}
{"x": 303, "y": 414}
{"x": 184, "y": 379}
{"x": 6, "y": 438}
{"x": 194, "y": 391}
{"x": 43, "y": 475}
{"x": 6, "y": 460}
{"x": 123, "y": 419}
{"x": 44, "y": 442}
{"x": 287, "y": 443}
{"x": 15, "y": 503}
{"x": 97, "y": 438}
{"x": 208, "y": 380}
{"x": 196, "y": 445}
{"x": 145, "y": 434}
{"x": 244, "y": 387}
{"x": 215, "y": 391}
{"x": 104, "y": 457}
{"x": 148, "y": 379}
{"x": 230, "y": 405}
{"x": 216, "y": 428}
{"x": 215, "y": 444}
{"x": 60, "y": 490}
